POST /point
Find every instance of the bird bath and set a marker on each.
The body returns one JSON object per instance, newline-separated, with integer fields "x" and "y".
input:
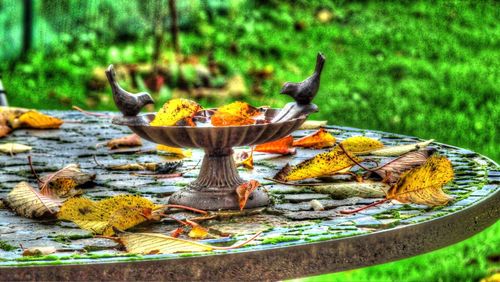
{"x": 215, "y": 187}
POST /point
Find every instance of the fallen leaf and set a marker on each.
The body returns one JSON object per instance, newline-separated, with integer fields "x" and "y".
{"x": 245, "y": 190}
{"x": 281, "y": 146}
{"x": 401, "y": 149}
{"x": 14, "y": 148}
{"x": 103, "y": 217}
{"x": 316, "y": 205}
{"x": 177, "y": 232}
{"x": 392, "y": 170}
{"x": 346, "y": 190}
{"x": 4, "y": 127}
{"x": 245, "y": 160}
{"x": 318, "y": 140}
{"x": 325, "y": 164}
{"x": 423, "y": 184}
{"x": 178, "y": 152}
{"x": 148, "y": 243}
{"x": 39, "y": 251}
{"x": 62, "y": 183}
{"x": 361, "y": 144}
{"x": 313, "y": 124}
{"x": 178, "y": 112}
{"x": 37, "y": 120}
{"x": 132, "y": 140}
{"x": 163, "y": 168}
{"x": 237, "y": 113}
{"x": 28, "y": 202}
{"x": 198, "y": 232}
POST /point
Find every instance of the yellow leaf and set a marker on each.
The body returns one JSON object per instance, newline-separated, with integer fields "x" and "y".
{"x": 318, "y": 140}
{"x": 178, "y": 152}
{"x": 361, "y": 144}
{"x": 28, "y": 202}
{"x": 324, "y": 164}
{"x": 423, "y": 184}
{"x": 13, "y": 148}
{"x": 152, "y": 243}
{"x": 245, "y": 160}
{"x": 102, "y": 217}
{"x": 237, "y": 113}
{"x": 176, "y": 112}
{"x": 198, "y": 232}
{"x": 37, "y": 120}
{"x": 63, "y": 182}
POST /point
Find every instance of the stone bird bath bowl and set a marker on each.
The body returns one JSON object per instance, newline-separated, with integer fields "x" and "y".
{"x": 214, "y": 189}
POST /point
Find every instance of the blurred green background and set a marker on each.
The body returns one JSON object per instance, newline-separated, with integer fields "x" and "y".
{"x": 412, "y": 67}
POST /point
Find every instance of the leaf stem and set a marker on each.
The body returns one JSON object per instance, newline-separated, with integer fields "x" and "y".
{"x": 40, "y": 182}
{"x": 293, "y": 183}
{"x": 352, "y": 159}
{"x": 90, "y": 113}
{"x": 365, "y": 207}
{"x": 186, "y": 208}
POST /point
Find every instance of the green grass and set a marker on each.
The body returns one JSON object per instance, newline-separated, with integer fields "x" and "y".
{"x": 465, "y": 261}
{"x": 417, "y": 68}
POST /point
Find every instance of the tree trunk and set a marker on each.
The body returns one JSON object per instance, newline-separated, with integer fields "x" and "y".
{"x": 27, "y": 26}
{"x": 174, "y": 27}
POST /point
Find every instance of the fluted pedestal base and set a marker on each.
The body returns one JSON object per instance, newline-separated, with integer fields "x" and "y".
{"x": 215, "y": 187}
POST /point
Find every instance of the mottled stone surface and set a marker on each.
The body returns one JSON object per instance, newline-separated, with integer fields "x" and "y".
{"x": 289, "y": 221}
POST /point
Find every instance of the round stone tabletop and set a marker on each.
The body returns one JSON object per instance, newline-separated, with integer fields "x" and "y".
{"x": 296, "y": 240}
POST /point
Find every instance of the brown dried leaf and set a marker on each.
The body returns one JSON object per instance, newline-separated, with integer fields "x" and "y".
{"x": 281, "y": 146}
{"x": 132, "y": 140}
{"x": 29, "y": 202}
{"x": 392, "y": 170}
{"x": 423, "y": 184}
{"x": 244, "y": 190}
{"x": 318, "y": 140}
{"x": 39, "y": 251}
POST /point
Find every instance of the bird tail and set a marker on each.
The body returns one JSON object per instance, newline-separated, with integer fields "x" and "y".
{"x": 320, "y": 62}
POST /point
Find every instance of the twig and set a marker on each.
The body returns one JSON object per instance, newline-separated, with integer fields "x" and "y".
{"x": 352, "y": 159}
{"x": 97, "y": 163}
{"x": 40, "y": 182}
{"x": 166, "y": 176}
{"x": 365, "y": 207}
{"x": 92, "y": 114}
{"x": 171, "y": 217}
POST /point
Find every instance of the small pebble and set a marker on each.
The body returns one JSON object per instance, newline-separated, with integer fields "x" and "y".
{"x": 316, "y": 205}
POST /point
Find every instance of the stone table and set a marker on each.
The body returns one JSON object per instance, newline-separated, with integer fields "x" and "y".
{"x": 296, "y": 240}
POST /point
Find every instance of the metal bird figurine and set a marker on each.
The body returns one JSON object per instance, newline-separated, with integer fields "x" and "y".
{"x": 129, "y": 104}
{"x": 303, "y": 93}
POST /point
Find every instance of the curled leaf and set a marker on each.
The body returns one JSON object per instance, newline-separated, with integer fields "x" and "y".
{"x": 178, "y": 112}
{"x": 423, "y": 184}
{"x": 361, "y": 144}
{"x": 401, "y": 149}
{"x": 14, "y": 148}
{"x": 244, "y": 190}
{"x": 103, "y": 217}
{"x": 178, "y": 152}
{"x": 346, "y": 190}
{"x": 281, "y": 146}
{"x": 132, "y": 140}
{"x": 39, "y": 251}
{"x": 28, "y": 202}
{"x": 177, "y": 232}
{"x": 313, "y": 124}
{"x": 324, "y": 164}
{"x": 62, "y": 183}
{"x": 392, "y": 170}
{"x": 245, "y": 160}
{"x": 37, "y": 120}
{"x": 237, "y": 113}
{"x": 318, "y": 140}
